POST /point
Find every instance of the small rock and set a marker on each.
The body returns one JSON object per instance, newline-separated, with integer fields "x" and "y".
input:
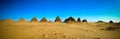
{"x": 45, "y": 35}
{"x": 63, "y": 36}
{"x": 55, "y": 34}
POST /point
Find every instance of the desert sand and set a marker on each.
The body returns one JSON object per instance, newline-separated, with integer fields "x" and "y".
{"x": 58, "y": 30}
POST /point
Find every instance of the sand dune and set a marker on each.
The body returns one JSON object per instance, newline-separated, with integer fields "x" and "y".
{"x": 56, "y": 30}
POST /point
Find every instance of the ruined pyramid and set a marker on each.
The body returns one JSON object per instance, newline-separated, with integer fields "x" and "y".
{"x": 70, "y": 20}
{"x": 57, "y": 19}
{"x": 110, "y": 21}
{"x": 43, "y": 19}
{"x": 34, "y": 19}
{"x": 9, "y": 20}
{"x": 78, "y": 20}
{"x": 100, "y": 21}
{"x": 21, "y": 20}
{"x": 84, "y": 20}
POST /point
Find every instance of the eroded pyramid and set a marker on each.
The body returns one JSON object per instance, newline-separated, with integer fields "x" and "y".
{"x": 78, "y": 20}
{"x": 34, "y": 19}
{"x": 9, "y": 20}
{"x": 84, "y": 20}
{"x": 110, "y": 21}
{"x": 21, "y": 20}
{"x": 43, "y": 19}
{"x": 57, "y": 19}
{"x": 100, "y": 21}
{"x": 70, "y": 20}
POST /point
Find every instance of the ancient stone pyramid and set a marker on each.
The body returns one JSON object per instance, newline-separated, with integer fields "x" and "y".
{"x": 66, "y": 20}
{"x": 21, "y": 20}
{"x": 34, "y": 19}
{"x": 78, "y": 20}
{"x": 43, "y": 19}
{"x": 9, "y": 20}
{"x": 84, "y": 20}
{"x": 57, "y": 19}
{"x": 110, "y": 21}
{"x": 100, "y": 21}
{"x": 70, "y": 20}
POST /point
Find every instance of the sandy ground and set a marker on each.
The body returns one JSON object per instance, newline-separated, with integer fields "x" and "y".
{"x": 55, "y": 30}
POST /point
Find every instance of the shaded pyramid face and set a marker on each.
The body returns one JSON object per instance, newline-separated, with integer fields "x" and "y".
{"x": 66, "y": 20}
{"x": 43, "y": 20}
{"x": 78, "y": 20}
{"x": 9, "y": 20}
{"x": 84, "y": 20}
{"x": 21, "y": 20}
{"x": 57, "y": 19}
{"x": 70, "y": 20}
{"x": 34, "y": 19}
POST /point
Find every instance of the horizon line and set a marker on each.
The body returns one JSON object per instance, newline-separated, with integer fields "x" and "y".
{"x": 60, "y": 18}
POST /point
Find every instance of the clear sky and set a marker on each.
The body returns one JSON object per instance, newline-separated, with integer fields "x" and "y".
{"x": 92, "y": 10}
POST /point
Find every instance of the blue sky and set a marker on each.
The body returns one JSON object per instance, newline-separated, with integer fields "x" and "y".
{"x": 92, "y": 10}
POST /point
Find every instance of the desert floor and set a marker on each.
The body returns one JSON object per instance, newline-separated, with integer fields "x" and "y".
{"x": 56, "y": 30}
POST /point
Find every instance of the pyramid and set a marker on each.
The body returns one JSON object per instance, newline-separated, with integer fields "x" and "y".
{"x": 70, "y": 20}
{"x": 100, "y": 22}
{"x": 78, "y": 20}
{"x": 111, "y": 21}
{"x": 21, "y": 20}
{"x": 66, "y": 20}
{"x": 57, "y": 19}
{"x": 9, "y": 20}
{"x": 34, "y": 19}
{"x": 84, "y": 20}
{"x": 43, "y": 20}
